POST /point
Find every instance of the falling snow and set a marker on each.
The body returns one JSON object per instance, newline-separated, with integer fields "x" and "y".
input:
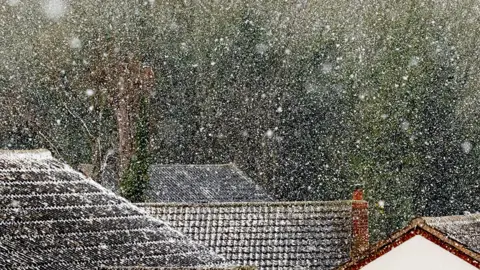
{"x": 414, "y": 61}
{"x": 327, "y": 68}
{"x": 405, "y": 125}
{"x": 75, "y": 43}
{"x": 466, "y": 147}
{"x": 261, "y": 48}
{"x": 54, "y": 9}
{"x": 309, "y": 98}
{"x": 90, "y": 92}
{"x": 381, "y": 204}
{"x": 13, "y": 2}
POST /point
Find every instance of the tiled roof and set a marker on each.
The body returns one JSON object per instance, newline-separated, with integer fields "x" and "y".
{"x": 269, "y": 235}
{"x": 183, "y": 268}
{"x": 202, "y": 183}
{"x": 61, "y": 220}
{"x": 464, "y": 229}
{"x": 9, "y": 255}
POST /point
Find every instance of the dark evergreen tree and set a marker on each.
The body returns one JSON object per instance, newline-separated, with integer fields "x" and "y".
{"x": 135, "y": 179}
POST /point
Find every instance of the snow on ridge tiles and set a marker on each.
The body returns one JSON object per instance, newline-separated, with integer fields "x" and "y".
{"x": 71, "y": 227}
{"x": 38, "y": 154}
{"x": 30, "y": 160}
{"x": 463, "y": 228}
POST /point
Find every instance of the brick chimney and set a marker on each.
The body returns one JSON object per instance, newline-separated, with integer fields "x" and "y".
{"x": 360, "y": 234}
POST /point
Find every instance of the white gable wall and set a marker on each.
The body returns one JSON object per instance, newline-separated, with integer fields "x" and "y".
{"x": 418, "y": 253}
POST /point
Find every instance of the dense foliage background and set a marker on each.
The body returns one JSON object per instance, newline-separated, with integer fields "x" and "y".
{"x": 309, "y": 97}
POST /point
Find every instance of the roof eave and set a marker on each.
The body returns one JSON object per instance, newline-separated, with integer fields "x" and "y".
{"x": 252, "y": 203}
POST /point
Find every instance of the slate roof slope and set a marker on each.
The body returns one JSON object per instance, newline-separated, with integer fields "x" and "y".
{"x": 9, "y": 255}
{"x": 464, "y": 229}
{"x": 203, "y": 183}
{"x": 268, "y": 235}
{"x": 62, "y": 220}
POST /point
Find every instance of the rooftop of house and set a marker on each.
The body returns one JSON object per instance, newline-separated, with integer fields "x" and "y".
{"x": 464, "y": 229}
{"x": 203, "y": 183}
{"x": 52, "y": 217}
{"x": 268, "y": 235}
{"x": 457, "y": 234}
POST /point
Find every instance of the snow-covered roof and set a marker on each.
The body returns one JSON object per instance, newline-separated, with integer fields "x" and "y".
{"x": 203, "y": 183}
{"x": 176, "y": 268}
{"x": 269, "y": 235}
{"x": 8, "y": 255}
{"x": 463, "y": 228}
{"x": 52, "y": 217}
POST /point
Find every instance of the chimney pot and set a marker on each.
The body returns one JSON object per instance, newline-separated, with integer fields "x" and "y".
{"x": 358, "y": 193}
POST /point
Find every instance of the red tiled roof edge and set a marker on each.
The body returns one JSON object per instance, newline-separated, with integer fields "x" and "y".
{"x": 416, "y": 227}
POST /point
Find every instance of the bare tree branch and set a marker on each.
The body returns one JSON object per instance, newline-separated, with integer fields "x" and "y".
{"x": 80, "y": 119}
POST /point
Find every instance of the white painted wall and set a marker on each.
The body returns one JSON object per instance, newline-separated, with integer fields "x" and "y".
{"x": 419, "y": 253}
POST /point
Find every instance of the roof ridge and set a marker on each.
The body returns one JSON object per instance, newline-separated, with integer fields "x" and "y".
{"x": 12, "y": 183}
{"x": 26, "y": 154}
{"x": 31, "y": 195}
{"x": 465, "y": 215}
{"x": 32, "y": 170}
{"x": 253, "y": 203}
{"x": 64, "y": 207}
{"x": 470, "y": 218}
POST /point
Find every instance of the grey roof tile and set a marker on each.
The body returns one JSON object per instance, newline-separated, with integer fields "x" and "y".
{"x": 52, "y": 217}
{"x": 8, "y": 255}
{"x": 183, "y": 268}
{"x": 203, "y": 183}
{"x": 464, "y": 229}
{"x": 269, "y": 235}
